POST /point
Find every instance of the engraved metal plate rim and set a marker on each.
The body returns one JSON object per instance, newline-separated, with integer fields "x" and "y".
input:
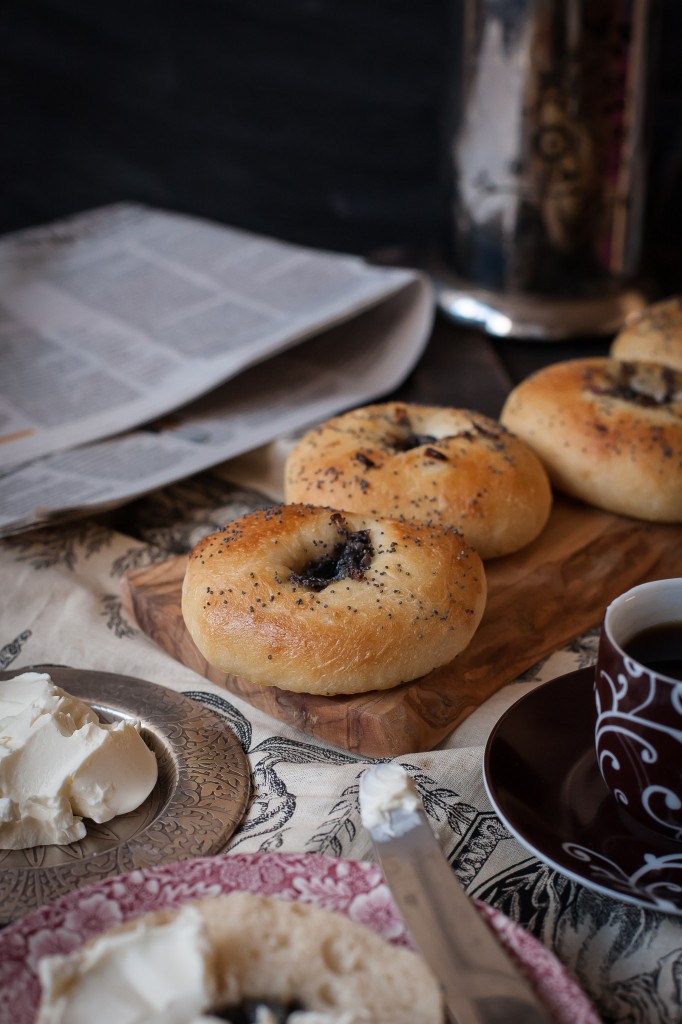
{"x": 208, "y": 792}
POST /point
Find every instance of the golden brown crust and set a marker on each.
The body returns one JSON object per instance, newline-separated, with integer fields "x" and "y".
{"x": 654, "y": 335}
{"x": 254, "y": 609}
{"x": 463, "y": 470}
{"x": 609, "y": 433}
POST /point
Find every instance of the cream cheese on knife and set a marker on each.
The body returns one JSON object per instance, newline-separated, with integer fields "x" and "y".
{"x": 60, "y": 764}
{"x": 386, "y": 788}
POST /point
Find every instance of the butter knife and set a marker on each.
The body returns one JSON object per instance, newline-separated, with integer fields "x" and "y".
{"x": 480, "y": 983}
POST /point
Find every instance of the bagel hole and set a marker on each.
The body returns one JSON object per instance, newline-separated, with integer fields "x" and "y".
{"x": 407, "y": 437}
{"x": 249, "y": 1011}
{"x": 409, "y": 440}
{"x": 348, "y": 559}
{"x": 646, "y": 385}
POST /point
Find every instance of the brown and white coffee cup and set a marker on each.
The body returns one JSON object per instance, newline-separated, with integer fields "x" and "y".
{"x": 638, "y": 692}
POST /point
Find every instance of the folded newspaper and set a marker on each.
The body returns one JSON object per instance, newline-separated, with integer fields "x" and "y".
{"x": 141, "y": 346}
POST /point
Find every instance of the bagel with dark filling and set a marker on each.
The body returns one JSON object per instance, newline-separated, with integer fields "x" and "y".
{"x": 608, "y": 432}
{"x": 319, "y": 601}
{"x": 444, "y": 466}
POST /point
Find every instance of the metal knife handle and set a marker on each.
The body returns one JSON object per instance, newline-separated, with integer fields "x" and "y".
{"x": 480, "y": 982}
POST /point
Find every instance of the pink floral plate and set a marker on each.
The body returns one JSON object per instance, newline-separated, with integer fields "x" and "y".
{"x": 355, "y": 888}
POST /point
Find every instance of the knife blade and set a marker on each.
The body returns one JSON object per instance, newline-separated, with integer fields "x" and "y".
{"x": 480, "y": 983}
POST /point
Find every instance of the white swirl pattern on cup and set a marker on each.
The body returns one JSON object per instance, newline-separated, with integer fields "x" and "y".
{"x": 640, "y": 735}
{"x": 646, "y": 879}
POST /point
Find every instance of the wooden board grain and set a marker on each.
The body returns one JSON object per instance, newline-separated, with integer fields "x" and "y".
{"x": 538, "y": 599}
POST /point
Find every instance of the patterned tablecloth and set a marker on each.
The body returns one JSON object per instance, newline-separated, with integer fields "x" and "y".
{"x": 61, "y": 603}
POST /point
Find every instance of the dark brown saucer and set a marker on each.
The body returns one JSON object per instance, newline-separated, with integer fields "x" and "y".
{"x": 542, "y": 778}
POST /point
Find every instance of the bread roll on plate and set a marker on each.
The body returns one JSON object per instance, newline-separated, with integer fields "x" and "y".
{"x": 609, "y": 433}
{"x": 230, "y": 952}
{"x": 438, "y": 465}
{"x": 314, "y": 600}
{"x": 654, "y": 335}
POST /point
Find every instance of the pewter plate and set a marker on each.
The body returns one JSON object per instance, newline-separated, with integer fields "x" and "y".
{"x": 199, "y": 799}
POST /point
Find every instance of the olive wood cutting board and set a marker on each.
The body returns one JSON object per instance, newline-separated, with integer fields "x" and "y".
{"x": 538, "y": 599}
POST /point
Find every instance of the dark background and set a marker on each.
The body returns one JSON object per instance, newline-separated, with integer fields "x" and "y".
{"x": 324, "y": 122}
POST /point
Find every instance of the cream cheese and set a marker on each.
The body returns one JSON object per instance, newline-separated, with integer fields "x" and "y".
{"x": 143, "y": 974}
{"x": 59, "y": 764}
{"x": 385, "y": 788}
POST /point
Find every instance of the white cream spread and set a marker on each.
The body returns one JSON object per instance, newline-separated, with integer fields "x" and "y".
{"x": 385, "y": 788}
{"x": 142, "y": 975}
{"x": 59, "y": 764}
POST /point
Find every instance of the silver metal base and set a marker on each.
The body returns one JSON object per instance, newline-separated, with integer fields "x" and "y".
{"x": 530, "y": 317}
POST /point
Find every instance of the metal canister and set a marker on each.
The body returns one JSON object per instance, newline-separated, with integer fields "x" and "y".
{"x": 548, "y": 163}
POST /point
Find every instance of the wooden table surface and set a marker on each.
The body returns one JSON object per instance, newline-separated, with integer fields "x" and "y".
{"x": 464, "y": 367}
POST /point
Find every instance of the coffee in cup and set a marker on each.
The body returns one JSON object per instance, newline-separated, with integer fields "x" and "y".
{"x": 638, "y": 692}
